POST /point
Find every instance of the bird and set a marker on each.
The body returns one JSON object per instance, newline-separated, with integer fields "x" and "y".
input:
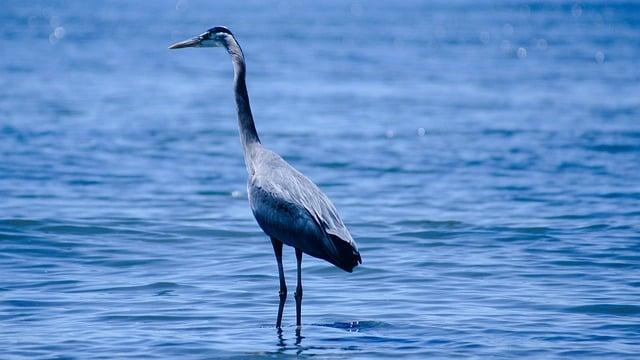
{"x": 289, "y": 208}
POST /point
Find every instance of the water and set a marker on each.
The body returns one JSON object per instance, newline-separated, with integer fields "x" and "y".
{"x": 484, "y": 155}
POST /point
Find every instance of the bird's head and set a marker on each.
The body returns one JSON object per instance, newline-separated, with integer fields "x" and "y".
{"x": 218, "y": 36}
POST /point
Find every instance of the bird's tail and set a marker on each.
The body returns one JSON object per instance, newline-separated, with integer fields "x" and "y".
{"x": 347, "y": 256}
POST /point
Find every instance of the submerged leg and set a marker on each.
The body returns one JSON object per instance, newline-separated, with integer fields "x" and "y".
{"x": 277, "y": 249}
{"x": 298, "y": 294}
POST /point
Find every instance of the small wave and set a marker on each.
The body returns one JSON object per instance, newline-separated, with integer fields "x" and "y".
{"x": 614, "y": 148}
{"x": 523, "y": 229}
{"x": 426, "y": 234}
{"x": 19, "y": 223}
{"x": 635, "y": 195}
{"x": 447, "y": 224}
{"x": 155, "y": 318}
{"x": 83, "y": 182}
{"x": 77, "y": 230}
{"x": 162, "y": 286}
{"x": 26, "y": 303}
{"x": 589, "y": 263}
{"x": 606, "y": 309}
{"x": 357, "y": 325}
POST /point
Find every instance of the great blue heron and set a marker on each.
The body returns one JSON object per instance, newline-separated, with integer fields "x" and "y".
{"x": 289, "y": 208}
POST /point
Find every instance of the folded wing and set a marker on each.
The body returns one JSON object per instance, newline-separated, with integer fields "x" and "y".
{"x": 291, "y": 208}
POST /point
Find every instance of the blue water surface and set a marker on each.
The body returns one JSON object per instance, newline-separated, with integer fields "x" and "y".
{"x": 484, "y": 155}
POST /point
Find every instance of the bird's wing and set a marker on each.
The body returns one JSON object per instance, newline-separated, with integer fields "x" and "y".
{"x": 281, "y": 180}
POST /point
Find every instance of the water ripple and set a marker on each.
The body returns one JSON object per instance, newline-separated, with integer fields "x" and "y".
{"x": 484, "y": 156}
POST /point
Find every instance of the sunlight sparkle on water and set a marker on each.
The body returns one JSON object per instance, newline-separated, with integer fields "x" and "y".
{"x": 522, "y": 53}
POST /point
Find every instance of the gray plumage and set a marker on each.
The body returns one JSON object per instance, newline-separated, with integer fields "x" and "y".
{"x": 291, "y": 208}
{"x": 288, "y": 206}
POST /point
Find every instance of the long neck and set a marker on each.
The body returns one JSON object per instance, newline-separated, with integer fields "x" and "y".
{"x": 248, "y": 134}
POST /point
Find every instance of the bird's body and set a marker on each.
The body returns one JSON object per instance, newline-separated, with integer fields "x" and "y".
{"x": 288, "y": 206}
{"x": 292, "y": 209}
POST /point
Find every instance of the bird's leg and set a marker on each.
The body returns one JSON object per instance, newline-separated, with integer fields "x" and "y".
{"x": 277, "y": 249}
{"x": 298, "y": 294}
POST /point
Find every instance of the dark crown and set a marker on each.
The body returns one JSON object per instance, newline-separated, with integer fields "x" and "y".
{"x": 219, "y": 29}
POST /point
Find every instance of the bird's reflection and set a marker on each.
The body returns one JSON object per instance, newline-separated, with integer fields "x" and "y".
{"x": 282, "y": 344}
{"x": 299, "y": 336}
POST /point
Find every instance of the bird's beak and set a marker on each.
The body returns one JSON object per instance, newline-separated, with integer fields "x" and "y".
{"x": 187, "y": 43}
